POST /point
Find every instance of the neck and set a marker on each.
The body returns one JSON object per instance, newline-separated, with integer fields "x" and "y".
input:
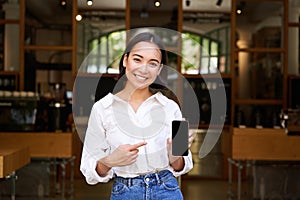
{"x": 133, "y": 94}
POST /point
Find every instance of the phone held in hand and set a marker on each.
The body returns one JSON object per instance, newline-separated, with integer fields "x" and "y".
{"x": 180, "y": 137}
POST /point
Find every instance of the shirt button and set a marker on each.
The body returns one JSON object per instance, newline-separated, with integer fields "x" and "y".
{"x": 147, "y": 179}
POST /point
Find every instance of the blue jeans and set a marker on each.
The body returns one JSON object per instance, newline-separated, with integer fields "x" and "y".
{"x": 157, "y": 186}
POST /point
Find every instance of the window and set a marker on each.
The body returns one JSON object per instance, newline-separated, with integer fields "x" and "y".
{"x": 105, "y": 52}
{"x": 201, "y": 54}
{"x": 205, "y": 54}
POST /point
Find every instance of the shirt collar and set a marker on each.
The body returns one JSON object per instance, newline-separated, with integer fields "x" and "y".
{"x": 160, "y": 98}
{"x": 109, "y": 98}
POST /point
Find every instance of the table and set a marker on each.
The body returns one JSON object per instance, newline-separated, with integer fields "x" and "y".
{"x": 12, "y": 158}
{"x": 57, "y": 146}
{"x": 266, "y": 144}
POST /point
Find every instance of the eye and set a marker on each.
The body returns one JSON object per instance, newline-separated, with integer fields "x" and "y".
{"x": 153, "y": 64}
{"x": 136, "y": 60}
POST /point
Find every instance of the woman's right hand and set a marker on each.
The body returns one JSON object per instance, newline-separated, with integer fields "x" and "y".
{"x": 125, "y": 154}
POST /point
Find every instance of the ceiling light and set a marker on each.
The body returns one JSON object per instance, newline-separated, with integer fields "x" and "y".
{"x": 78, "y": 17}
{"x": 89, "y": 2}
{"x": 187, "y": 3}
{"x": 63, "y": 3}
{"x": 156, "y": 3}
{"x": 219, "y": 3}
{"x": 240, "y": 7}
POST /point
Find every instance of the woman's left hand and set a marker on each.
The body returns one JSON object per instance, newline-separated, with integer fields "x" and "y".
{"x": 191, "y": 137}
{"x": 169, "y": 146}
{"x": 172, "y": 158}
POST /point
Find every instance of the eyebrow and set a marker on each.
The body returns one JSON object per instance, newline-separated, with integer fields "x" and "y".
{"x": 153, "y": 59}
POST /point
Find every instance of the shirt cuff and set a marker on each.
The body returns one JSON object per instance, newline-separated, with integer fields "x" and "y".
{"x": 188, "y": 165}
{"x": 94, "y": 178}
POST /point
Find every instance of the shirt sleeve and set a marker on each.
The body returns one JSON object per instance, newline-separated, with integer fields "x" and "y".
{"x": 188, "y": 160}
{"x": 188, "y": 165}
{"x": 95, "y": 147}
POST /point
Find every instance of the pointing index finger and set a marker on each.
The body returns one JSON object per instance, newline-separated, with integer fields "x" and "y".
{"x": 137, "y": 145}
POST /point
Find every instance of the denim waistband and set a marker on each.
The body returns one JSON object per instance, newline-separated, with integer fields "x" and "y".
{"x": 153, "y": 178}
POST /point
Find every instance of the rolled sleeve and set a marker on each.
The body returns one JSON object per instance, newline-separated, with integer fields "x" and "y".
{"x": 88, "y": 169}
{"x": 95, "y": 147}
{"x": 188, "y": 165}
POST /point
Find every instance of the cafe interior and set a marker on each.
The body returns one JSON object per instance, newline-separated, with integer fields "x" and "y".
{"x": 237, "y": 59}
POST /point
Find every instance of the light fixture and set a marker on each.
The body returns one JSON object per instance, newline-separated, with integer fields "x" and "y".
{"x": 63, "y": 3}
{"x": 89, "y": 2}
{"x": 240, "y": 7}
{"x": 219, "y": 3}
{"x": 157, "y": 3}
{"x": 187, "y": 3}
{"x": 78, "y": 17}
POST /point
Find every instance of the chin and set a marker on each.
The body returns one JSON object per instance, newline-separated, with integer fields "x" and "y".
{"x": 141, "y": 87}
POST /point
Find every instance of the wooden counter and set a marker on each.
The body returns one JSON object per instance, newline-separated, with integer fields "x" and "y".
{"x": 41, "y": 144}
{"x": 45, "y": 145}
{"x": 264, "y": 144}
{"x": 12, "y": 158}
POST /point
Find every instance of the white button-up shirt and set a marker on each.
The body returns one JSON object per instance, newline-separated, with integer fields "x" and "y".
{"x": 113, "y": 122}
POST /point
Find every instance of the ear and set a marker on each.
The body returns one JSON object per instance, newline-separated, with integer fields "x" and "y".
{"x": 159, "y": 70}
{"x": 125, "y": 60}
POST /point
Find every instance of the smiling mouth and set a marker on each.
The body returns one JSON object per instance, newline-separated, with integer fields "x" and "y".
{"x": 141, "y": 78}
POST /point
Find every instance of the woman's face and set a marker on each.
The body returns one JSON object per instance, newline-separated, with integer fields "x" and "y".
{"x": 143, "y": 64}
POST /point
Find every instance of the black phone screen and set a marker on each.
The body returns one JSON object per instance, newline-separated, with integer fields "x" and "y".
{"x": 180, "y": 137}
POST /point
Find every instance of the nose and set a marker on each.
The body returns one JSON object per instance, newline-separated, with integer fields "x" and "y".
{"x": 144, "y": 68}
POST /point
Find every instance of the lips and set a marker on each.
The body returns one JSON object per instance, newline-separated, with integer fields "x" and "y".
{"x": 141, "y": 78}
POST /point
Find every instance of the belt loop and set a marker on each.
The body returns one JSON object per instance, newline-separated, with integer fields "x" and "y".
{"x": 157, "y": 177}
{"x": 129, "y": 182}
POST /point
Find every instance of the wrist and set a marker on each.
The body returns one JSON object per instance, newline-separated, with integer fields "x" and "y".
{"x": 173, "y": 159}
{"x": 102, "y": 167}
{"x": 106, "y": 161}
{"x": 178, "y": 163}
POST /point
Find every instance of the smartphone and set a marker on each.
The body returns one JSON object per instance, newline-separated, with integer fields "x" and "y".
{"x": 180, "y": 137}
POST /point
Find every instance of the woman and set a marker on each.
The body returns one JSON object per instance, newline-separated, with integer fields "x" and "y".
{"x": 128, "y": 134}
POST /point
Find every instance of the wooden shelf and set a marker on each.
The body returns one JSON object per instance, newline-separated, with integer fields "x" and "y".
{"x": 212, "y": 126}
{"x": 24, "y": 47}
{"x": 83, "y": 74}
{"x": 50, "y": 48}
{"x": 258, "y": 0}
{"x": 9, "y": 21}
{"x": 207, "y": 75}
{"x": 293, "y": 128}
{"x": 293, "y": 24}
{"x": 254, "y": 59}
{"x": 261, "y": 50}
{"x": 13, "y": 78}
{"x": 10, "y": 73}
{"x": 259, "y": 101}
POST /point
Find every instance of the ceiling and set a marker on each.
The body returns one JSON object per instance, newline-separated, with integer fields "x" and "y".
{"x": 49, "y": 12}
{"x": 202, "y": 5}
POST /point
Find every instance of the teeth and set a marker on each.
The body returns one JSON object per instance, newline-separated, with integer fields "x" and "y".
{"x": 140, "y": 77}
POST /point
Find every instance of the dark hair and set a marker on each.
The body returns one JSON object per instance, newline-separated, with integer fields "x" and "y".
{"x": 161, "y": 80}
